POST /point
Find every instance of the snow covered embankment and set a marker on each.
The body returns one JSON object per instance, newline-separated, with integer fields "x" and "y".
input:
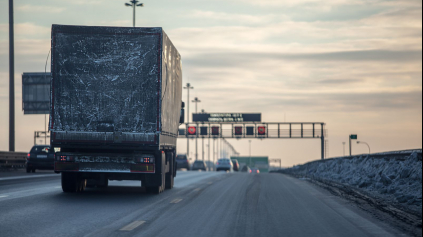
{"x": 396, "y": 178}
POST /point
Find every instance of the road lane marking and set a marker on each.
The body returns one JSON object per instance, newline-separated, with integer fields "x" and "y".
{"x": 3, "y": 196}
{"x": 210, "y": 183}
{"x": 197, "y": 189}
{"x": 29, "y": 177}
{"x": 176, "y": 201}
{"x": 132, "y": 226}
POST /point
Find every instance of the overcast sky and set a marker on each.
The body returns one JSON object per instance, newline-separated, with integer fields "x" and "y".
{"x": 354, "y": 64}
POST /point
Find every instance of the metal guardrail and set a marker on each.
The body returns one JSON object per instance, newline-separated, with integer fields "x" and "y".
{"x": 12, "y": 159}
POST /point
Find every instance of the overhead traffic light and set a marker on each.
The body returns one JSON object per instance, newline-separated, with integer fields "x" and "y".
{"x": 261, "y": 130}
{"x": 215, "y": 131}
{"x": 204, "y": 131}
{"x": 238, "y": 131}
{"x": 192, "y": 131}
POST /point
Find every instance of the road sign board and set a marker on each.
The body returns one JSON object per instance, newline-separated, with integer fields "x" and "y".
{"x": 226, "y": 117}
{"x": 353, "y": 137}
{"x": 36, "y": 93}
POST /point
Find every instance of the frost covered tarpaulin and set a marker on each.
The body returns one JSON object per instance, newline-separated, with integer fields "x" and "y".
{"x": 106, "y": 80}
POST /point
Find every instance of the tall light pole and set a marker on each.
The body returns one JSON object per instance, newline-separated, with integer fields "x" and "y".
{"x": 196, "y": 101}
{"x": 134, "y": 4}
{"x": 343, "y": 143}
{"x": 11, "y": 79}
{"x": 250, "y": 153}
{"x": 188, "y": 87}
{"x": 359, "y": 142}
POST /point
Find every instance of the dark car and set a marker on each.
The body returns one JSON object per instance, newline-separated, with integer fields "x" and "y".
{"x": 246, "y": 169}
{"x": 40, "y": 158}
{"x": 182, "y": 162}
{"x": 236, "y": 164}
{"x": 199, "y": 165}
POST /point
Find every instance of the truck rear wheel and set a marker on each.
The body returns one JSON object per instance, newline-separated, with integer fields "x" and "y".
{"x": 72, "y": 184}
{"x": 69, "y": 182}
{"x": 170, "y": 178}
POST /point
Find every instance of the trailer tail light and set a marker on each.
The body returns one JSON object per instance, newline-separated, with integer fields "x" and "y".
{"x": 28, "y": 156}
{"x": 145, "y": 160}
{"x": 65, "y": 158}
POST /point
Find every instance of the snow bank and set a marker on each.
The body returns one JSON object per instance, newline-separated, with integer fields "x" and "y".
{"x": 394, "y": 177}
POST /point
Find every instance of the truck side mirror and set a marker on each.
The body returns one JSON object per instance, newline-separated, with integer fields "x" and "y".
{"x": 182, "y": 118}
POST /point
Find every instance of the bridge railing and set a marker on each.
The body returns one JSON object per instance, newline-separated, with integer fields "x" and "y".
{"x": 12, "y": 159}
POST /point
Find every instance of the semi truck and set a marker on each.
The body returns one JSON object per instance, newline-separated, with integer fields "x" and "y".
{"x": 116, "y": 106}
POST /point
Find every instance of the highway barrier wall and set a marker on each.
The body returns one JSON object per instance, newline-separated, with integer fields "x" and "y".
{"x": 395, "y": 177}
{"x": 12, "y": 159}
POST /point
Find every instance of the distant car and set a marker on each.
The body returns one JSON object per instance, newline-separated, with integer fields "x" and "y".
{"x": 199, "y": 165}
{"x": 235, "y": 164}
{"x": 41, "y": 157}
{"x": 255, "y": 171}
{"x": 246, "y": 169}
{"x": 224, "y": 164}
{"x": 183, "y": 162}
{"x": 210, "y": 166}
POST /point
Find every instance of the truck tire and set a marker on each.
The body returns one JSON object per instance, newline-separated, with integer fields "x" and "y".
{"x": 105, "y": 184}
{"x": 170, "y": 178}
{"x": 70, "y": 182}
{"x": 28, "y": 170}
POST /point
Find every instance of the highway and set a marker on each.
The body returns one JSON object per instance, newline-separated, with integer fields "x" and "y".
{"x": 201, "y": 204}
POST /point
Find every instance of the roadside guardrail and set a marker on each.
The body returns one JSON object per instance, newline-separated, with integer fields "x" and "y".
{"x": 12, "y": 159}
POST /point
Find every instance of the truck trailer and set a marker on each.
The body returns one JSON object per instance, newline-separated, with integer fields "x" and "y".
{"x": 116, "y": 106}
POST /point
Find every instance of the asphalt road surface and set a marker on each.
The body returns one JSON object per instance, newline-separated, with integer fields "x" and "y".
{"x": 201, "y": 204}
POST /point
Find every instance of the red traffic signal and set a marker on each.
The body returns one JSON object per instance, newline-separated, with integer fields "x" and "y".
{"x": 262, "y": 130}
{"x": 192, "y": 130}
{"x": 238, "y": 131}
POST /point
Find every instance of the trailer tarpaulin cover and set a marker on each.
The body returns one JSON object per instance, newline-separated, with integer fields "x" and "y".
{"x": 106, "y": 79}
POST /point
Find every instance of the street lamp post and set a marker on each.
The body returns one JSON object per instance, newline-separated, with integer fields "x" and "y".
{"x": 134, "y": 4}
{"x": 188, "y": 87}
{"x": 250, "y": 153}
{"x": 196, "y": 101}
{"x": 11, "y": 79}
{"x": 359, "y": 142}
{"x": 343, "y": 143}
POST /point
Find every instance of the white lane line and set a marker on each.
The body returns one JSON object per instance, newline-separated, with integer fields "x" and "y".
{"x": 210, "y": 183}
{"x": 3, "y": 196}
{"x": 197, "y": 189}
{"x": 29, "y": 177}
{"x": 58, "y": 187}
{"x": 176, "y": 201}
{"x": 132, "y": 226}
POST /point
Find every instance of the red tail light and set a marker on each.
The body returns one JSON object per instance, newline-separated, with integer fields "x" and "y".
{"x": 28, "y": 156}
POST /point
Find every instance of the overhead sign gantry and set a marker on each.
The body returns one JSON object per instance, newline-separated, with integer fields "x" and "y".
{"x": 250, "y": 126}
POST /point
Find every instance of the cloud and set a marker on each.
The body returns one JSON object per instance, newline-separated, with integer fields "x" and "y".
{"x": 27, "y": 47}
{"x": 39, "y": 9}
{"x": 87, "y": 2}
{"x": 329, "y": 3}
{"x": 233, "y": 18}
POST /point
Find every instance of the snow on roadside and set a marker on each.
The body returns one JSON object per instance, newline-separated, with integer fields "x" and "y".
{"x": 397, "y": 179}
